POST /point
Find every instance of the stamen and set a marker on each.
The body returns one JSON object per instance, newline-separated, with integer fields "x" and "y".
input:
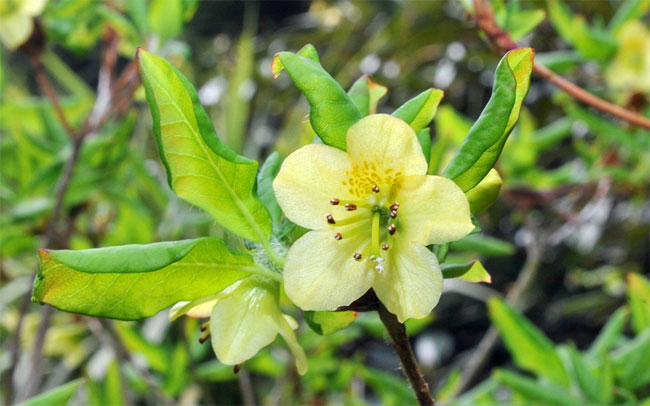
{"x": 375, "y": 188}
{"x": 330, "y": 219}
{"x": 350, "y": 206}
{"x": 394, "y": 207}
{"x": 391, "y": 229}
{"x": 393, "y": 213}
{"x": 385, "y": 247}
{"x": 338, "y": 236}
{"x": 357, "y": 256}
{"x": 235, "y": 369}
{"x": 204, "y": 337}
{"x": 335, "y": 202}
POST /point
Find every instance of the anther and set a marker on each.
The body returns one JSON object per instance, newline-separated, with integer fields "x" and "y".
{"x": 385, "y": 247}
{"x": 391, "y": 229}
{"x": 204, "y": 338}
{"x": 356, "y": 256}
{"x": 394, "y": 207}
{"x": 375, "y": 188}
{"x": 350, "y": 207}
{"x": 393, "y": 213}
{"x": 338, "y": 236}
{"x": 236, "y": 368}
{"x": 330, "y": 219}
{"x": 335, "y": 202}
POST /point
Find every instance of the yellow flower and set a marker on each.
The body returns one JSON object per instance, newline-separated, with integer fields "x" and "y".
{"x": 630, "y": 70}
{"x": 244, "y": 318}
{"x": 16, "y": 20}
{"x": 373, "y": 210}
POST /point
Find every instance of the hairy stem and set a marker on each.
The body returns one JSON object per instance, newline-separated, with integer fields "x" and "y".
{"x": 397, "y": 333}
{"x": 501, "y": 42}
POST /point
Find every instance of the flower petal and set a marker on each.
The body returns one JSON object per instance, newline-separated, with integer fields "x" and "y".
{"x": 286, "y": 331}
{"x": 388, "y": 143}
{"x": 321, "y": 274}
{"x": 199, "y": 308}
{"x": 243, "y": 322}
{"x": 308, "y": 179}
{"x": 433, "y": 210}
{"x": 411, "y": 283}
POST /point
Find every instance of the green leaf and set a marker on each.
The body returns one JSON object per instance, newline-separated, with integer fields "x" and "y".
{"x": 365, "y": 94}
{"x": 484, "y": 142}
{"x": 587, "y": 382}
{"x": 631, "y": 362}
{"x": 155, "y": 355}
{"x": 529, "y": 347}
{"x": 451, "y": 386}
{"x": 523, "y": 22}
{"x": 610, "y": 333}
{"x": 200, "y": 168}
{"x": 325, "y": 323}
{"x": 57, "y": 396}
{"x": 638, "y": 295}
{"x": 331, "y": 111}
{"x": 482, "y": 196}
{"x": 628, "y": 10}
{"x": 236, "y": 106}
{"x": 265, "y": 178}
{"x": 471, "y": 272}
{"x": 532, "y": 390}
{"x": 420, "y": 110}
{"x": 166, "y": 18}
{"x": 484, "y": 245}
{"x": 136, "y": 281}
{"x": 424, "y": 138}
{"x": 113, "y": 389}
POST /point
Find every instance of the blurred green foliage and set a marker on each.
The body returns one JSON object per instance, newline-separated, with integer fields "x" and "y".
{"x": 581, "y": 179}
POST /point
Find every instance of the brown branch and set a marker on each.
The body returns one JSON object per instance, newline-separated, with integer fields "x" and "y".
{"x": 397, "y": 333}
{"x": 101, "y": 113}
{"x": 502, "y": 42}
{"x": 47, "y": 88}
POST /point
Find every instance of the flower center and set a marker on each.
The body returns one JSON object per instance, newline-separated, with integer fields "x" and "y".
{"x": 374, "y": 209}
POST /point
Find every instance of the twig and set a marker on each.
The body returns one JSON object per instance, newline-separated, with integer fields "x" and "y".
{"x": 397, "y": 333}
{"x": 502, "y": 42}
{"x": 535, "y": 250}
{"x": 101, "y": 112}
{"x": 47, "y": 88}
{"x": 246, "y": 387}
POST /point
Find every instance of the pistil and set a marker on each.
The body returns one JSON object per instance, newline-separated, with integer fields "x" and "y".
{"x": 375, "y": 234}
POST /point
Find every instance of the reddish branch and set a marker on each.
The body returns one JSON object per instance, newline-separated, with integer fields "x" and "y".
{"x": 502, "y": 43}
{"x": 117, "y": 101}
{"x": 402, "y": 346}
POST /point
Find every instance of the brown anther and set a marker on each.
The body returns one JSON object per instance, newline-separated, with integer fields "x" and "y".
{"x": 204, "y": 327}
{"x": 236, "y": 368}
{"x": 204, "y": 338}
{"x": 350, "y": 207}
{"x": 393, "y": 213}
{"x": 385, "y": 247}
{"x": 335, "y": 202}
{"x": 391, "y": 229}
{"x": 394, "y": 207}
{"x": 375, "y": 188}
{"x": 330, "y": 219}
{"x": 356, "y": 256}
{"x": 338, "y": 236}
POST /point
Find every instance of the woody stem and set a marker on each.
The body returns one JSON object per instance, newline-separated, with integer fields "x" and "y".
{"x": 397, "y": 333}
